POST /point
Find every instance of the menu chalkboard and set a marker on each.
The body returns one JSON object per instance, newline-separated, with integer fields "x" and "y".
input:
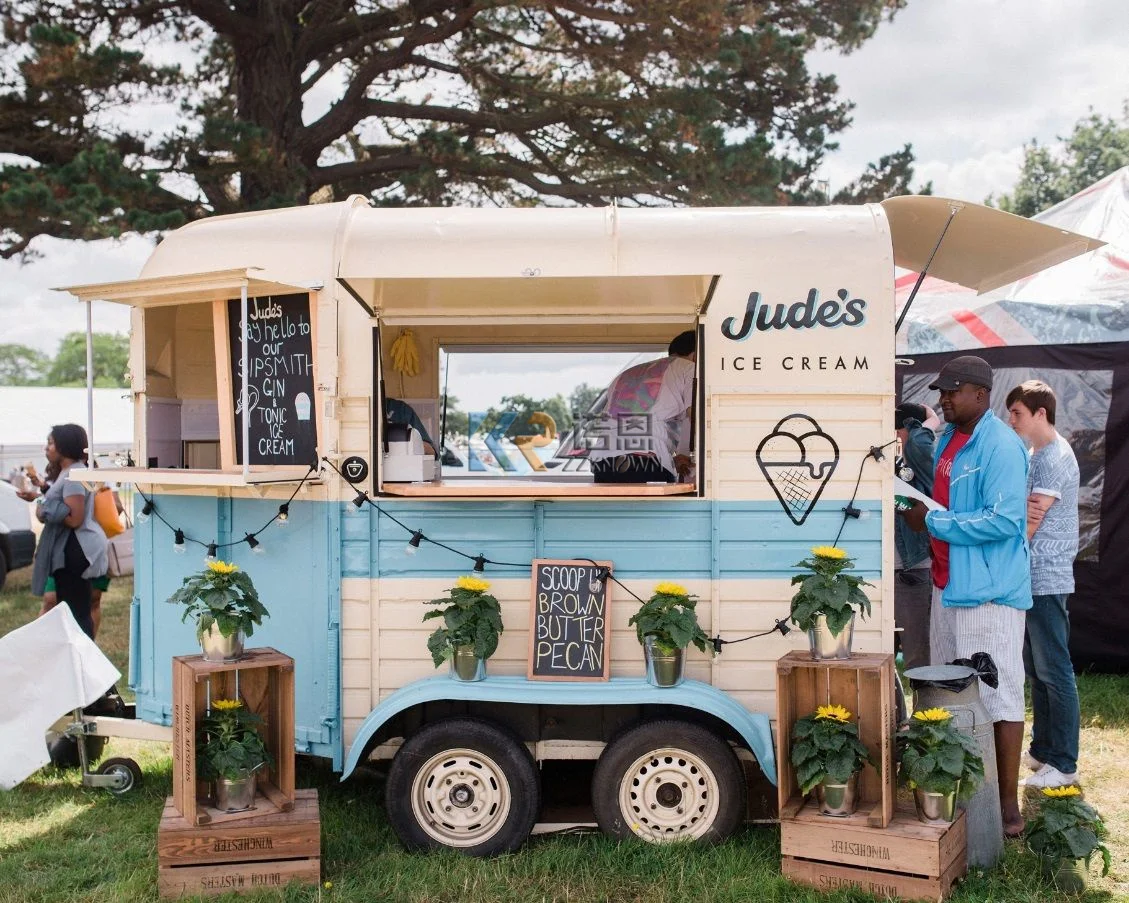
{"x": 568, "y": 637}
{"x": 282, "y": 428}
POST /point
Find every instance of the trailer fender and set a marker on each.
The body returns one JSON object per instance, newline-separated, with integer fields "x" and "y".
{"x": 753, "y": 728}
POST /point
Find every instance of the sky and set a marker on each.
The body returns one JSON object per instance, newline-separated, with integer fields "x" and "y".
{"x": 968, "y": 82}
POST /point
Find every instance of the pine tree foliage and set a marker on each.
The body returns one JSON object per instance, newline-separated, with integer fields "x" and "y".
{"x": 409, "y": 102}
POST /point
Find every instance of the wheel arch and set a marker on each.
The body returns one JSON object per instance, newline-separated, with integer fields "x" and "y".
{"x": 494, "y": 697}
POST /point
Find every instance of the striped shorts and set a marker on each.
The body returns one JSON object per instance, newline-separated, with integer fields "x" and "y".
{"x": 996, "y": 629}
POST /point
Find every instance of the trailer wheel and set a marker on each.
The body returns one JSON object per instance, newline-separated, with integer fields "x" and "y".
{"x": 669, "y": 780}
{"x": 126, "y": 769}
{"x": 465, "y": 784}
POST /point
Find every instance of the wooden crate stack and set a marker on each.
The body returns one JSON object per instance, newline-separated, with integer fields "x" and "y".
{"x": 201, "y": 850}
{"x": 882, "y": 848}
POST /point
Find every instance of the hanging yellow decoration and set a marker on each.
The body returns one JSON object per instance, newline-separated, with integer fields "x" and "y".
{"x": 405, "y": 356}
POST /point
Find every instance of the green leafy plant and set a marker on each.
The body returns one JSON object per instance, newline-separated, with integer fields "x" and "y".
{"x": 471, "y": 617}
{"x": 1067, "y": 828}
{"x": 221, "y": 594}
{"x": 826, "y": 590}
{"x": 935, "y": 754}
{"x": 826, "y": 747}
{"x": 228, "y": 743}
{"x": 669, "y": 617}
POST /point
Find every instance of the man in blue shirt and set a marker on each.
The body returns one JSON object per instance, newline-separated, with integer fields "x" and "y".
{"x": 1052, "y": 529}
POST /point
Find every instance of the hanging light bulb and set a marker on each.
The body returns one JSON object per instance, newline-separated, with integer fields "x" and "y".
{"x": 283, "y": 514}
{"x": 178, "y": 542}
{"x": 596, "y": 583}
{"x": 213, "y": 553}
{"x": 256, "y": 546}
{"x": 146, "y": 510}
{"x": 480, "y": 563}
{"x": 359, "y": 503}
{"x": 413, "y": 544}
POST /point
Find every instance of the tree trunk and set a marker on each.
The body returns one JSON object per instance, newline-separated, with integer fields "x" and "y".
{"x": 268, "y": 96}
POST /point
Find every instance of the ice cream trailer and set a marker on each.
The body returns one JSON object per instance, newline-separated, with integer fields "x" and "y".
{"x": 261, "y": 370}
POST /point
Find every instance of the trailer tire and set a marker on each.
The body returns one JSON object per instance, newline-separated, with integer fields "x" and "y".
{"x": 669, "y": 780}
{"x": 464, "y": 784}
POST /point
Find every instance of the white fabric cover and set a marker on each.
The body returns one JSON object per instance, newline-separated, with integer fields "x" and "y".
{"x": 47, "y": 668}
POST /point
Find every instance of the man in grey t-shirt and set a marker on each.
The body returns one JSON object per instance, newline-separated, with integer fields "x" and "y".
{"x": 1052, "y": 529}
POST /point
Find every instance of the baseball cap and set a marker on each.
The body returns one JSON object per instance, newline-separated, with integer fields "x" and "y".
{"x": 964, "y": 369}
{"x": 909, "y": 411}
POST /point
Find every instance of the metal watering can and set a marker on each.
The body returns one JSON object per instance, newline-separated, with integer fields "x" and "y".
{"x": 957, "y": 688}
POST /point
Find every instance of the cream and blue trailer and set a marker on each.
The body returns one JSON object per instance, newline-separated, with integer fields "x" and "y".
{"x": 795, "y": 315}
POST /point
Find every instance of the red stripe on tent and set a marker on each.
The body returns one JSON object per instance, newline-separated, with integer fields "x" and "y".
{"x": 1119, "y": 262}
{"x": 907, "y": 279}
{"x": 979, "y": 329}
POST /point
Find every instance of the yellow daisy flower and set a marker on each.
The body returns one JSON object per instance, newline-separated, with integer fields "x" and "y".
{"x": 474, "y": 584}
{"x": 226, "y": 705}
{"x": 833, "y": 713}
{"x": 932, "y": 715}
{"x": 222, "y": 567}
{"x": 670, "y": 589}
{"x": 1071, "y": 790}
{"x": 829, "y": 552}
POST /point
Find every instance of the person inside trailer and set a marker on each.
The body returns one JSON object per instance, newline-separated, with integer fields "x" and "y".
{"x": 400, "y": 413}
{"x": 644, "y": 434}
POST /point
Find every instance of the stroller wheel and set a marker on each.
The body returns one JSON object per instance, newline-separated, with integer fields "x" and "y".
{"x": 128, "y": 770}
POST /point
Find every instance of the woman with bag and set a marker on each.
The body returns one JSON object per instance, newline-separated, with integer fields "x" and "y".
{"x": 72, "y": 548}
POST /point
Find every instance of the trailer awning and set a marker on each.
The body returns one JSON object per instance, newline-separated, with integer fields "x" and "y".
{"x": 983, "y": 248}
{"x": 191, "y": 288}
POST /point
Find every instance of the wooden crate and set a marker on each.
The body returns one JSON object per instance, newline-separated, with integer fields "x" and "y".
{"x": 264, "y": 680}
{"x": 906, "y": 859}
{"x": 261, "y": 852}
{"x": 865, "y": 685}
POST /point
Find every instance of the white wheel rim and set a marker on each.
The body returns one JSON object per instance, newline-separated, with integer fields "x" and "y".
{"x": 669, "y": 794}
{"x": 460, "y": 797}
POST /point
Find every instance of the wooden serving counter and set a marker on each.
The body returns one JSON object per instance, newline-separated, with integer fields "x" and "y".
{"x": 536, "y": 489}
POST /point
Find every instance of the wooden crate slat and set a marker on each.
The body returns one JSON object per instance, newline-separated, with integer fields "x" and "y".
{"x": 232, "y": 877}
{"x": 828, "y": 877}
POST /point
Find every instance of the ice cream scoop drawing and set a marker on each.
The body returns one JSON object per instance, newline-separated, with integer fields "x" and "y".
{"x": 797, "y": 458}
{"x": 302, "y": 406}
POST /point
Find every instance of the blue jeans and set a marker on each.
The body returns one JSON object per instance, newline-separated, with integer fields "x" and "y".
{"x": 1054, "y": 692}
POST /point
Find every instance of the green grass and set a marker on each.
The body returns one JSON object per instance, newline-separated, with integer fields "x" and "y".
{"x": 62, "y": 842}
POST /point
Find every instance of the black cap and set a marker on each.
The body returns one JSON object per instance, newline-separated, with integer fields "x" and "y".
{"x": 964, "y": 369}
{"x": 909, "y": 411}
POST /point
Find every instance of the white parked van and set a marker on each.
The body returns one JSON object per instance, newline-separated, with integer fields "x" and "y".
{"x": 17, "y": 540}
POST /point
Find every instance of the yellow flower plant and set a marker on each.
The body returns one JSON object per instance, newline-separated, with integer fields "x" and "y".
{"x": 471, "y": 617}
{"x": 223, "y": 595}
{"x": 826, "y": 747}
{"x": 668, "y": 618}
{"x": 825, "y": 590}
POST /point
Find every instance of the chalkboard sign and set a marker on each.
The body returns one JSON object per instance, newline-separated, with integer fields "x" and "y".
{"x": 280, "y": 361}
{"x": 569, "y": 633}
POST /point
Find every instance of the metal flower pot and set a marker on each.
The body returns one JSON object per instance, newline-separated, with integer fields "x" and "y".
{"x": 662, "y": 670}
{"x": 465, "y": 665}
{"x": 826, "y": 646}
{"x": 236, "y": 794}
{"x": 1068, "y": 875}
{"x": 936, "y": 808}
{"x": 838, "y": 800}
{"x": 220, "y": 648}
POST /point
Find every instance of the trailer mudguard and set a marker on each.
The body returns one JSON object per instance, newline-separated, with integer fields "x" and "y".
{"x": 690, "y": 694}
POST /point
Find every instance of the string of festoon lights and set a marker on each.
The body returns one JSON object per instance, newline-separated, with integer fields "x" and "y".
{"x": 417, "y": 537}
{"x": 181, "y": 539}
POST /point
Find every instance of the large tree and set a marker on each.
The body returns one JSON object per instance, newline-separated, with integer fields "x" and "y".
{"x": 421, "y": 102}
{"x": 1097, "y": 146}
{"x": 110, "y": 354}
{"x": 21, "y": 365}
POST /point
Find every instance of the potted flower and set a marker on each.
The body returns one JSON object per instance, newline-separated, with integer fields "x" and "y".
{"x": 939, "y": 763}
{"x": 229, "y": 750}
{"x": 1065, "y": 833}
{"x": 226, "y": 607}
{"x": 665, "y": 625}
{"x": 826, "y": 602}
{"x": 827, "y": 756}
{"x": 472, "y": 623}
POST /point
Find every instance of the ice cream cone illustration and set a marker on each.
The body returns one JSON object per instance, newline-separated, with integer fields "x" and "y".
{"x": 797, "y": 458}
{"x": 302, "y": 406}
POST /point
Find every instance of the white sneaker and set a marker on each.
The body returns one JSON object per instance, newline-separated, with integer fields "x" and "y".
{"x": 1030, "y": 761}
{"x": 1049, "y": 776}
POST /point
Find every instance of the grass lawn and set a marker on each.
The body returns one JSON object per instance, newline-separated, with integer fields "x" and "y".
{"x": 62, "y": 842}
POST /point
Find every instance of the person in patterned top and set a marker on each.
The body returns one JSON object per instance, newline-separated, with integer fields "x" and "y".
{"x": 1052, "y": 529}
